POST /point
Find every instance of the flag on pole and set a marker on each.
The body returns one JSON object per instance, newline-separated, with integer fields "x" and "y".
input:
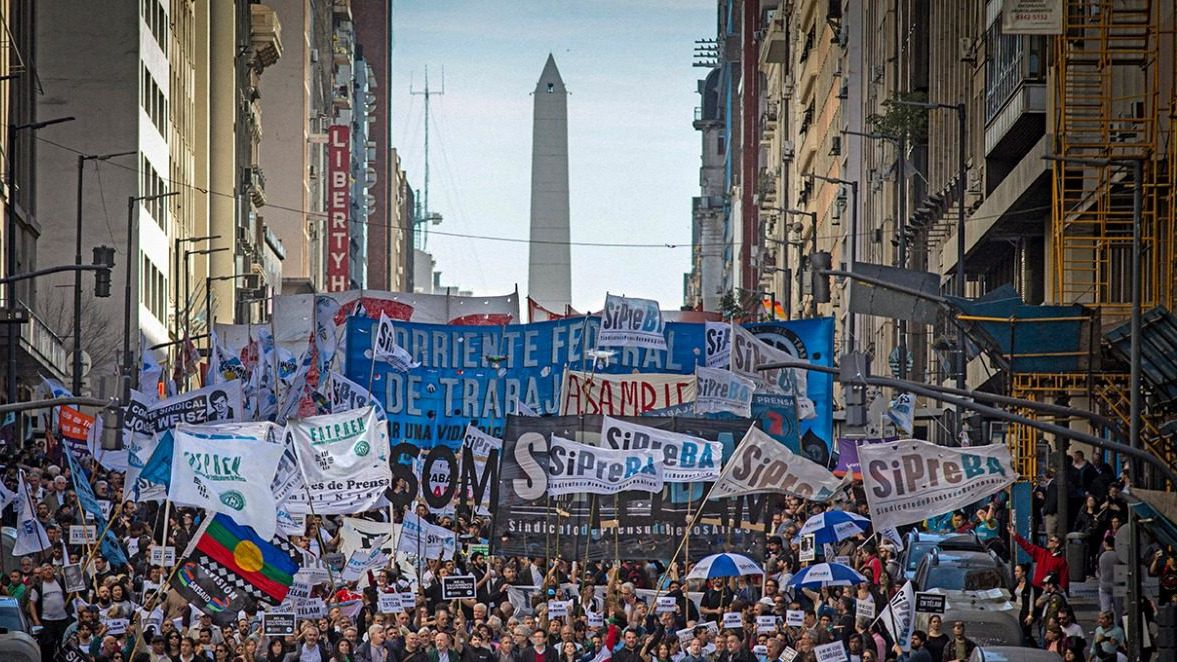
{"x": 384, "y": 348}
{"x": 110, "y": 549}
{"x": 902, "y": 412}
{"x": 7, "y": 496}
{"x": 150, "y": 370}
{"x": 899, "y": 616}
{"x": 228, "y": 568}
{"x": 30, "y": 535}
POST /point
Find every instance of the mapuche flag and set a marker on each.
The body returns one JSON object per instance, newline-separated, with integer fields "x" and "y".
{"x": 228, "y": 568}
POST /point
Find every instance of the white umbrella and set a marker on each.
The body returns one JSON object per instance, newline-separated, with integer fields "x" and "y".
{"x": 724, "y": 565}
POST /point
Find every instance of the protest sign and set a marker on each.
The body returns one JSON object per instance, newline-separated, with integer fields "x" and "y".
{"x": 594, "y": 619}
{"x": 864, "y": 609}
{"x": 458, "y": 587}
{"x": 683, "y": 458}
{"x": 388, "y": 603}
{"x": 788, "y": 655}
{"x": 666, "y": 605}
{"x": 629, "y": 322}
{"x": 732, "y": 619}
{"x": 794, "y": 618}
{"x": 557, "y": 609}
{"x": 760, "y": 650}
{"x": 575, "y": 468}
{"x": 910, "y": 480}
{"x": 116, "y": 626}
{"x": 831, "y": 652}
{"x": 930, "y": 603}
{"x": 408, "y": 601}
{"x": 74, "y": 580}
{"x": 766, "y": 624}
{"x": 162, "y": 556}
{"x": 594, "y": 394}
{"x": 83, "y": 534}
{"x": 808, "y": 548}
{"x": 310, "y": 609}
{"x": 277, "y": 624}
{"x": 719, "y": 390}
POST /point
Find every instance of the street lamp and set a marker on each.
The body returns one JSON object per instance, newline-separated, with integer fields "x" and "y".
{"x": 850, "y": 322}
{"x": 9, "y": 240}
{"x": 77, "y": 362}
{"x": 132, "y": 264}
{"x": 187, "y": 306}
{"x": 176, "y": 253}
{"x": 900, "y": 142}
{"x": 1134, "y": 403}
{"x": 208, "y": 297}
{"x": 962, "y": 175}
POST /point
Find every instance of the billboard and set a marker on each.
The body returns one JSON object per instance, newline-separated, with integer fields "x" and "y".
{"x": 338, "y": 207}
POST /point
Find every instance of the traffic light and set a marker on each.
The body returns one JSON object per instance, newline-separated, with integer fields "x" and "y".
{"x": 818, "y": 262}
{"x": 103, "y": 257}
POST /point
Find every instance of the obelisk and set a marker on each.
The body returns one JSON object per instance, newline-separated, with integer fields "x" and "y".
{"x": 549, "y": 267}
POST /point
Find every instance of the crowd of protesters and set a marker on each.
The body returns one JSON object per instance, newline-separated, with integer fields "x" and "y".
{"x": 613, "y": 611}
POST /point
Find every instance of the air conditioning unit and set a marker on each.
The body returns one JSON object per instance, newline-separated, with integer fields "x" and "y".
{"x": 843, "y": 88}
{"x": 787, "y": 87}
{"x": 967, "y": 49}
{"x": 835, "y": 145}
{"x": 758, "y": 35}
{"x": 314, "y": 55}
{"x": 787, "y": 150}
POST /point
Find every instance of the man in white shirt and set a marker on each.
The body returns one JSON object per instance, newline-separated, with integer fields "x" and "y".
{"x": 47, "y": 609}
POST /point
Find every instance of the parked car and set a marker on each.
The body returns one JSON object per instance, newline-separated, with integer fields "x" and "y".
{"x": 919, "y": 543}
{"x": 961, "y": 570}
{"x": 990, "y": 618}
{"x": 16, "y": 644}
{"x": 1012, "y": 654}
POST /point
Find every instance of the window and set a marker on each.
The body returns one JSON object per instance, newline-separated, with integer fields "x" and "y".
{"x": 153, "y": 288}
{"x": 154, "y": 103}
{"x": 157, "y": 22}
{"x": 152, "y": 185}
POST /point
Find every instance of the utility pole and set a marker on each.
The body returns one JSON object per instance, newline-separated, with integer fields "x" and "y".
{"x": 424, "y": 218}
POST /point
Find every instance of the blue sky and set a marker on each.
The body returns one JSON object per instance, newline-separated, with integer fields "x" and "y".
{"x": 634, "y": 156}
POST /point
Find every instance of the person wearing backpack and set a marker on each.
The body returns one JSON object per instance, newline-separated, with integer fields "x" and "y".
{"x": 48, "y": 609}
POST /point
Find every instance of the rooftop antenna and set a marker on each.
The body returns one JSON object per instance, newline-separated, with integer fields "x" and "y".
{"x": 425, "y": 217}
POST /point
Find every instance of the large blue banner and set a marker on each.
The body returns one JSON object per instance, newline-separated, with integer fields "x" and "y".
{"x": 478, "y": 375}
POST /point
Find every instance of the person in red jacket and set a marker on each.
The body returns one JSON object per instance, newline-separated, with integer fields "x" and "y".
{"x": 1047, "y": 560}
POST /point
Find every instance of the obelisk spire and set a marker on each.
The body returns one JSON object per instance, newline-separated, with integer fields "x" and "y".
{"x": 549, "y": 273}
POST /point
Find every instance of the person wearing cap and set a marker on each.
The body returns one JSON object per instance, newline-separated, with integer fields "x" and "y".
{"x": 959, "y": 648}
{"x": 1052, "y": 601}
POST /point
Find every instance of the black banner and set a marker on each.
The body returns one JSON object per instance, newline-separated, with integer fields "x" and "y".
{"x": 631, "y": 526}
{"x": 277, "y": 625}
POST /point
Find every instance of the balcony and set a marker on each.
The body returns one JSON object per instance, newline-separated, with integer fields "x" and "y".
{"x": 257, "y": 187}
{"x": 40, "y": 351}
{"x": 265, "y": 34}
{"x": 774, "y": 49}
{"x": 1015, "y": 93}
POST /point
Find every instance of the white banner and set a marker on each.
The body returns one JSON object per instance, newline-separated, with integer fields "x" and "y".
{"x": 339, "y": 446}
{"x": 344, "y": 394}
{"x": 762, "y": 464}
{"x": 227, "y": 473}
{"x": 360, "y": 562}
{"x": 590, "y": 394}
{"x": 576, "y": 468}
{"x": 899, "y": 616}
{"x": 718, "y": 390}
{"x": 910, "y": 480}
{"x": 361, "y": 534}
{"x": 717, "y": 344}
{"x": 684, "y": 459}
{"x": 481, "y": 444}
{"x": 627, "y": 322}
{"x": 426, "y": 540}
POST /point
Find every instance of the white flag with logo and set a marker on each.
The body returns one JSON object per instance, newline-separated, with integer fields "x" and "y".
{"x": 339, "y": 446}
{"x": 683, "y": 458}
{"x": 910, "y": 480}
{"x": 384, "y": 347}
{"x": 480, "y": 445}
{"x": 717, "y": 344}
{"x": 762, "y": 464}
{"x": 227, "y": 473}
{"x": 426, "y": 540}
{"x": 6, "y": 496}
{"x": 629, "y": 322}
{"x": 576, "y": 468}
{"x": 718, "y": 390}
{"x": 899, "y": 616}
{"x": 30, "y": 535}
{"x": 902, "y": 412}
